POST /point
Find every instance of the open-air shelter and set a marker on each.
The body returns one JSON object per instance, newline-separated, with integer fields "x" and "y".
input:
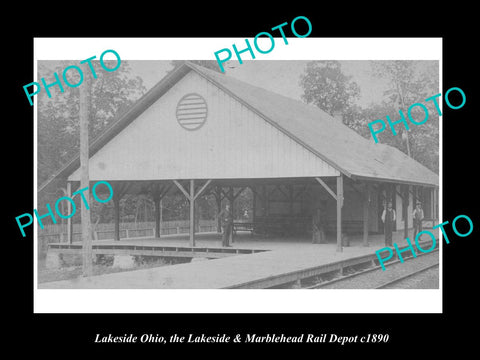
{"x": 198, "y": 131}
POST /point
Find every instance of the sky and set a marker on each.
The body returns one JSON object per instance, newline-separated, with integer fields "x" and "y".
{"x": 280, "y": 76}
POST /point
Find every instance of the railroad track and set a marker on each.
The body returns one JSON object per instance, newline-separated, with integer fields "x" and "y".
{"x": 404, "y": 277}
{"x": 380, "y": 283}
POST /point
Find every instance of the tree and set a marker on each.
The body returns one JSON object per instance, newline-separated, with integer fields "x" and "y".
{"x": 411, "y": 82}
{"x": 58, "y": 122}
{"x": 58, "y": 117}
{"x": 325, "y": 86}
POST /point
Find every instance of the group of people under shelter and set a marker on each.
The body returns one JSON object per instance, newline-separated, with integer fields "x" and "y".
{"x": 388, "y": 218}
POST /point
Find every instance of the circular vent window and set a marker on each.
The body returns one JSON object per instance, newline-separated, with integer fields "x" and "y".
{"x": 192, "y": 111}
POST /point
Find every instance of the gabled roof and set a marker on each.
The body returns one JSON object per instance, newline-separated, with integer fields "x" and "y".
{"x": 319, "y": 132}
{"x": 324, "y": 135}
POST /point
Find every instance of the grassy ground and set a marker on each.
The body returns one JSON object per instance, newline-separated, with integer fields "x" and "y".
{"x": 104, "y": 267}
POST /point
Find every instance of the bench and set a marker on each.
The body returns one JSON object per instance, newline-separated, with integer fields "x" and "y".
{"x": 281, "y": 226}
{"x": 243, "y": 226}
{"x": 349, "y": 227}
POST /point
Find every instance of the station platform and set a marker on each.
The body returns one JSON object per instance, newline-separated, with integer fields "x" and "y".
{"x": 284, "y": 256}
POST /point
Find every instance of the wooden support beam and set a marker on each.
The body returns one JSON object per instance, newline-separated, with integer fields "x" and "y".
{"x": 187, "y": 195}
{"x": 366, "y": 205}
{"x": 432, "y": 203}
{"x": 224, "y": 194}
{"x": 116, "y": 217}
{"x": 254, "y": 205}
{"x": 192, "y": 213}
{"x": 330, "y": 191}
{"x": 399, "y": 193}
{"x": 339, "y": 198}
{"x": 157, "y": 217}
{"x": 283, "y": 193}
{"x": 265, "y": 201}
{"x": 411, "y": 192}
{"x": 271, "y": 191}
{"x": 119, "y": 190}
{"x": 256, "y": 193}
{"x": 300, "y": 192}
{"x": 69, "y": 220}
{"x": 231, "y": 199}
{"x": 290, "y": 199}
{"x": 158, "y": 192}
{"x": 358, "y": 191}
{"x": 405, "y": 204}
{"x": 239, "y": 192}
{"x": 191, "y": 196}
{"x": 218, "y": 200}
{"x": 202, "y": 188}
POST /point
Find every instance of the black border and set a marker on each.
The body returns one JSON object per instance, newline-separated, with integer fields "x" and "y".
{"x": 430, "y": 332}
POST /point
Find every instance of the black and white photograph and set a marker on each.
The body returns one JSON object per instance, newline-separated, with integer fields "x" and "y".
{"x": 263, "y": 184}
{"x": 266, "y": 175}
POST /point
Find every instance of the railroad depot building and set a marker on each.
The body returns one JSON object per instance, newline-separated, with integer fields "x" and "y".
{"x": 202, "y": 132}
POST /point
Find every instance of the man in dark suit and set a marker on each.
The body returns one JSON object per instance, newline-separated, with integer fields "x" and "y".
{"x": 226, "y": 217}
{"x": 388, "y": 218}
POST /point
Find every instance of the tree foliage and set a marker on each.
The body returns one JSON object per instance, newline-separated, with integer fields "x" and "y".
{"x": 58, "y": 117}
{"x": 411, "y": 82}
{"x": 408, "y": 82}
{"x": 58, "y": 136}
{"x": 325, "y": 86}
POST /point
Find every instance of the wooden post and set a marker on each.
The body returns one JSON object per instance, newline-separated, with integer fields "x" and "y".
{"x": 231, "y": 200}
{"x": 158, "y": 192}
{"x": 191, "y": 196}
{"x": 339, "y": 212}
{"x": 393, "y": 198}
{"x": 265, "y": 201}
{"x": 217, "y": 193}
{"x": 366, "y": 203}
{"x": 290, "y": 199}
{"x": 116, "y": 217}
{"x": 84, "y": 110}
{"x": 157, "y": 216}
{"x": 254, "y": 205}
{"x": 432, "y": 204}
{"x": 192, "y": 213}
{"x": 219, "y": 208}
{"x": 405, "y": 203}
{"x": 161, "y": 217}
{"x": 69, "y": 220}
{"x": 197, "y": 218}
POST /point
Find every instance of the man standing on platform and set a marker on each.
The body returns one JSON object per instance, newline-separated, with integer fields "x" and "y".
{"x": 388, "y": 218}
{"x": 318, "y": 227}
{"x": 417, "y": 219}
{"x": 226, "y": 218}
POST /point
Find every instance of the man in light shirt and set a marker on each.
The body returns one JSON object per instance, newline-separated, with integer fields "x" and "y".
{"x": 417, "y": 219}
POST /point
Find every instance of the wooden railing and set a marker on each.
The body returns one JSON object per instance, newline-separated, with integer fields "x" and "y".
{"x": 58, "y": 233}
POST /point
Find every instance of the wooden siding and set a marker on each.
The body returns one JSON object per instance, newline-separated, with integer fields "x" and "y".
{"x": 234, "y": 142}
